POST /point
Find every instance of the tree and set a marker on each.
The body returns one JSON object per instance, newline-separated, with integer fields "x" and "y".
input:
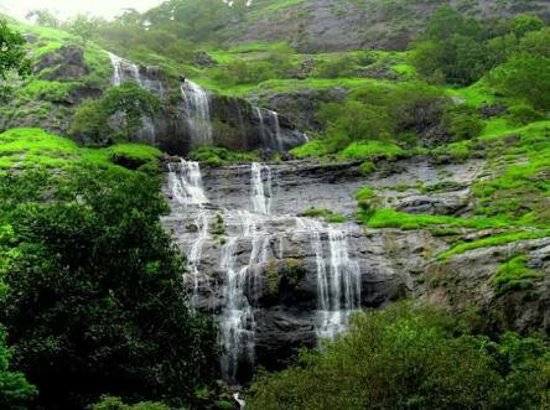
{"x": 527, "y": 77}
{"x": 134, "y": 102}
{"x": 95, "y": 303}
{"x": 408, "y": 357}
{"x": 12, "y": 53}
{"x": 44, "y": 18}
{"x": 90, "y": 122}
{"x": 84, "y": 27}
{"x": 15, "y": 391}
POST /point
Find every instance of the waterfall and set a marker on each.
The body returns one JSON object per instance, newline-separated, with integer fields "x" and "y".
{"x": 124, "y": 70}
{"x": 338, "y": 284}
{"x": 253, "y": 238}
{"x": 195, "y": 254}
{"x": 241, "y": 287}
{"x": 197, "y": 111}
{"x": 186, "y": 183}
{"x": 269, "y": 129}
{"x": 261, "y": 192}
{"x": 238, "y": 319}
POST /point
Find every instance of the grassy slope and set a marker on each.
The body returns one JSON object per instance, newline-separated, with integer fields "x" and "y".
{"x": 36, "y": 101}
{"x": 24, "y": 148}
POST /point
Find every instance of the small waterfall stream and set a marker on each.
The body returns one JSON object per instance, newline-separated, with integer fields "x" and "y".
{"x": 270, "y": 128}
{"x": 197, "y": 111}
{"x": 253, "y": 239}
{"x": 124, "y": 70}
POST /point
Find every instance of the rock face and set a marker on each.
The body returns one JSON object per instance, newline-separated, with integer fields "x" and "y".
{"x": 193, "y": 116}
{"x": 325, "y": 25}
{"x": 278, "y": 282}
{"x": 65, "y": 63}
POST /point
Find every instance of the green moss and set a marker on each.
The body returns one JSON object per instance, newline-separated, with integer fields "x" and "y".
{"x": 325, "y": 214}
{"x": 368, "y": 167}
{"x": 514, "y": 274}
{"x": 390, "y": 218}
{"x": 495, "y": 240}
{"x": 372, "y": 150}
{"x": 217, "y": 156}
{"x": 30, "y": 147}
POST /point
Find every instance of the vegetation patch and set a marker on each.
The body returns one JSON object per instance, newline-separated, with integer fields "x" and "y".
{"x": 495, "y": 240}
{"x": 514, "y": 275}
{"x": 217, "y": 156}
{"x": 326, "y": 214}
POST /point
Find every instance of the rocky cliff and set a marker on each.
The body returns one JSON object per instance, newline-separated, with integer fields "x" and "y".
{"x": 191, "y": 116}
{"x": 326, "y": 25}
{"x": 278, "y": 281}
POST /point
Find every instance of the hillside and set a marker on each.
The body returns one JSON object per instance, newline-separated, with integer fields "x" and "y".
{"x": 328, "y": 26}
{"x": 204, "y": 201}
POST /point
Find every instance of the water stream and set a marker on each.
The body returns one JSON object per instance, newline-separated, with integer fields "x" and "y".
{"x": 197, "y": 113}
{"x": 253, "y": 238}
{"x": 123, "y": 71}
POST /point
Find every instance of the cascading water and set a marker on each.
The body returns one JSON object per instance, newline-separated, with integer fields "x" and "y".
{"x": 338, "y": 284}
{"x": 270, "y": 128}
{"x": 186, "y": 183}
{"x": 261, "y": 192}
{"x": 124, "y": 70}
{"x": 254, "y": 239}
{"x": 197, "y": 111}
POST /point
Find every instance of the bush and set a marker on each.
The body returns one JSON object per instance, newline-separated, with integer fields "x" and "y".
{"x": 410, "y": 357}
{"x": 463, "y": 122}
{"x": 523, "y": 114}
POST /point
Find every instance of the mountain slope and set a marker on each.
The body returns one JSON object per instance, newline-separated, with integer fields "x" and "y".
{"x": 326, "y": 25}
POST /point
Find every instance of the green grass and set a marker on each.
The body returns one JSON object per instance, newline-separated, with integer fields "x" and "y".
{"x": 390, "y": 218}
{"x": 514, "y": 275}
{"x": 495, "y": 240}
{"x": 326, "y": 214}
{"x": 24, "y": 148}
{"x": 475, "y": 95}
{"x": 314, "y": 148}
{"x": 217, "y": 156}
{"x": 372, "y": 150}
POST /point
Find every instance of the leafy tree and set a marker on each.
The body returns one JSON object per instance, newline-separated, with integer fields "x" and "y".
{"x": 12, "y": 53}
{"x": 44, "y": 18}
{"x": 410, "y": 357}
{"x": 15, "y": 391}
{"x": 525, "y": 23}
{"x": 90, "y": 122}
{"x": 95, "y": 302}
{"x": 134, "y": 102}
{"x": 115, "y": 403}
{"x": 84, "y": 27}
{"x": 527, "y": 77}
{"x": 447, "y": 22}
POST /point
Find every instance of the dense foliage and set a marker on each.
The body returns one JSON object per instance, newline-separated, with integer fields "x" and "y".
{"x": 13, "y": 55}
{"x": 129, "y": 102}
{"x": 460, "y": 50}
{"x": 94, "y": 300}
{"x": 406, "y": 357}
{"x": 15, "y": 391}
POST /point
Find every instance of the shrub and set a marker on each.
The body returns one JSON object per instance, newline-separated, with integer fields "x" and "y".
{"x": 410, "y": 357}
{"x": 514, "y": 274}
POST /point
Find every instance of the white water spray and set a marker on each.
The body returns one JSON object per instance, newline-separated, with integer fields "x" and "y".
{"x": 197, "y": 110}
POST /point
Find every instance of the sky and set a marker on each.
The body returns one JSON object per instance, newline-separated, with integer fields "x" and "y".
{"x": 68, "y": 8}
